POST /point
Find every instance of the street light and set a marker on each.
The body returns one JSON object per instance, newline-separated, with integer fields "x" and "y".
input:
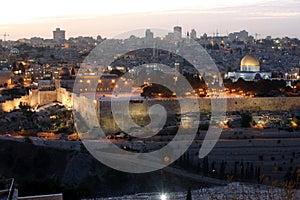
{"x": 163, "y": 197}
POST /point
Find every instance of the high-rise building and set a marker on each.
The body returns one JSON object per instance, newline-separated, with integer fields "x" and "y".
{"x": 149, "y": 35}
{"x": 241, "y": 36}
{"x": 177, "y": 32}
{"x": 193, "y": 34}
{"x": 59, "y": 35}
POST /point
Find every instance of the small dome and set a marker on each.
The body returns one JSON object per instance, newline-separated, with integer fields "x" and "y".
{"x": 64, "y": 72}
{"x": 14, "y": 51}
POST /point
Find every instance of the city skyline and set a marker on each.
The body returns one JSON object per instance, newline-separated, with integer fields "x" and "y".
{"x": 265, "y": 17}
{"x": 131, "y": 100}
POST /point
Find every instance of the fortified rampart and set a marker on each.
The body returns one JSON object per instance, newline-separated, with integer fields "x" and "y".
{"x": 45, "y": 97}
{"x": 139, "y": 108}
{"x": 31, "y": 99}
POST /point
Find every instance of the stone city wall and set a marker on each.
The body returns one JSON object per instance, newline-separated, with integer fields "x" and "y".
{"x": 31, "y": 99}
{"x": 10, "y": 105}
{"x": 139, "y": 110}
{"x": 65, "y": 97}
{"x": 45, "y": 97}
{"x": 263, "y": 103}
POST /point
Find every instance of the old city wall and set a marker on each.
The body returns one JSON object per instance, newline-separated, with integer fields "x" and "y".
{"x": 139, "y": 110}
{"x": 10, "y": 105}
{"x": 31, "y": 99}
{"x": 233, "y": 104}
{"x": 254, "y": 104}
{"x": 65, "y": 97}
{"x": 45, "y": 97}
{"x": 87, "y": 109}
{"x": 266, "y": 103}
{"x": 38, "y": 98}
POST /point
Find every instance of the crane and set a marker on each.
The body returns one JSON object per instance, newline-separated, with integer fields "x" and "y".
{"x": 217, "y": 33}
{"x": 4, "y": 36}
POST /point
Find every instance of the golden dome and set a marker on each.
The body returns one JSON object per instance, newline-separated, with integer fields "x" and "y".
{"x": 249, "y": 61}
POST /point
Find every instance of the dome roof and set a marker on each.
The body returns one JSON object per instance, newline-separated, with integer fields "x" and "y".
{"x": 14, "y": 51}
{"x": 64, "y": 72}
{"x": 249, "y": 60}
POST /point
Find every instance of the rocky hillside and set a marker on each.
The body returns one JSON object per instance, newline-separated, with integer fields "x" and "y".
{"x": 41, "y": 170}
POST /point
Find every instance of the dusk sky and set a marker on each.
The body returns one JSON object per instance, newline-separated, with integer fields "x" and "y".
{"x": 25, "y": 19}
